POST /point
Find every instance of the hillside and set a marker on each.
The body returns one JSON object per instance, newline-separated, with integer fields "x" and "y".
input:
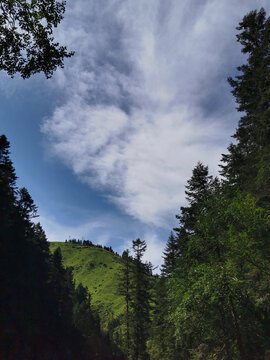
{"x": 97, "y": 269}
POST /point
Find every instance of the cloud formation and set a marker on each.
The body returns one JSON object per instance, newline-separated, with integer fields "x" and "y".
{"x": 145, "y": 97}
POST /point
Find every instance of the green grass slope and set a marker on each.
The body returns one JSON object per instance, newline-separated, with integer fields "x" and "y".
{"x": 97, "y": 269}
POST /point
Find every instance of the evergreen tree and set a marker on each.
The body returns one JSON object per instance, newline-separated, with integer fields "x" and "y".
{"x": 162, "y": 341}
{"x": 247, "y": 163}
{"x": 219, "y": 310}
{"x": 140, "y": 302}
{"x": 196, "y": 189}
{"x": 37, "y": 294}
{"x": 170, "y": 256}
{"x": 7, "y": 184}
{"x": 8, "y": 177}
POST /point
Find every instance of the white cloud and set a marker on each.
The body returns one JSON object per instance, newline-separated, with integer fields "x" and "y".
{"x": 154, "y": 251}
{"x": 146, "y": 97}
{"x": 155, "y": 248}
{"x": 89, "y": 230}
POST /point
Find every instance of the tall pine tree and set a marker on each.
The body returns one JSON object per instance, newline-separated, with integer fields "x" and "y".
{"x": 140, "y": 301}
{"x": 171, "y": 254}
{"x": 247, "y": 163}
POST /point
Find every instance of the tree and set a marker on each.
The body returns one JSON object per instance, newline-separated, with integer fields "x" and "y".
{"x": 7, "y": 179}
{"x": 217, "y": 306}
{"x": 219, "y": 291}
{"x": 25, "y": 204}
{"x": 124, "y": 289}
{"x": 247, "y": 163}
{"x": 170, "y": 256}
{"x": 38, "y": 297}
{"x": 196, "y": 189}
{"x": 140, "y": 301}
{"x": 26, "y": 42}
{"x": 162, "y": 344}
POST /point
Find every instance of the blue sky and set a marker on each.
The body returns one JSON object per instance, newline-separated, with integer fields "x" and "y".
{"x": 106, "y": 146}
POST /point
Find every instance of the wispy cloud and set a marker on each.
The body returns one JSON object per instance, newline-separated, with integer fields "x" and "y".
{"x": 89, "y": 230}
{"x": 146, "y": 96}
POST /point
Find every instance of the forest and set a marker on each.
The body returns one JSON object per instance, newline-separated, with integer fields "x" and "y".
{"x": 211, "y": 300}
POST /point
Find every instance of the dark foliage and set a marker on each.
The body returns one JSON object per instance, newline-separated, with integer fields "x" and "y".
{"x": 26, "y": 42}
{"x": 247, "y": 163}
{"x": 42, "y": 314}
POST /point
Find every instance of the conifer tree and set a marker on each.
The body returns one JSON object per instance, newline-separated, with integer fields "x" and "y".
{"x": 36, "y": 291}
{"x": 171, "y": 254}
{"x": 140, "y": 301}
{"x": 247, "y": 163}
{"x": 197, "y": 189}
{"x": 219, "y": 310}
{"x": 7, "y": 182}
{"x": 162, "y": 342}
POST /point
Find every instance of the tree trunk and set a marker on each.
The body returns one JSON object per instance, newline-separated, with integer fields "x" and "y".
{"x": 237, "y": 331}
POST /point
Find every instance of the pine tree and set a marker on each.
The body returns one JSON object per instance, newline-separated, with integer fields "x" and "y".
{"x": 37, "y": 293}
{"x": 140, "y": 302}
{"x": 196, "y": 189}
{"x": 26, "y": 205}
{"x": 219, "y": 288}
{"x": 247, "y": 163}
{"x": 162, "y": 344}
{"x": 171, "y": 254}
{"x": 7, "y": 182}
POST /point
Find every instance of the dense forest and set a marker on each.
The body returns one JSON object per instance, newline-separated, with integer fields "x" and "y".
{"x": 212, "y": 298}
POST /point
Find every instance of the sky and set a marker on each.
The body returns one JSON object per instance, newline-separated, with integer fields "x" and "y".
{"x": 106, "y": 146}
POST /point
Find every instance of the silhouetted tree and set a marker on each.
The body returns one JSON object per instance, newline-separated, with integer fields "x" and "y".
{"x": 26, "y": 42}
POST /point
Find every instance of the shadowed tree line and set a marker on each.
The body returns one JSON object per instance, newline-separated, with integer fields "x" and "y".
{"x": 42, "y": 314}
{"x": 90, "y": 244}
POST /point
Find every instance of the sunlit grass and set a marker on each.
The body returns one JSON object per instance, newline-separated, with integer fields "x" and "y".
{"x": 97, "y": 269}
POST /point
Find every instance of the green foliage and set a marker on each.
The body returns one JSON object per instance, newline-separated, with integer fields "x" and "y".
{"x": 38, "y": 296}
{"x": 101, "y": 281}
{"x": 170, "y": 255}
{"x": 26, "y": 42}
{"x": 247, "y": 161}
{"x": 27, "y": 316}
{"x": 161, "y": 343}
{"x": 216, "y": 301}
{"x": 140, "y": 301}
{"x": 219, "y": 291}
{"x": 213, "y": 300}
{"x": 124, "y": 290}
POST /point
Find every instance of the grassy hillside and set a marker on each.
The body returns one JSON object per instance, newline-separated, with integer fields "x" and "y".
{"x": 97, "y": 269}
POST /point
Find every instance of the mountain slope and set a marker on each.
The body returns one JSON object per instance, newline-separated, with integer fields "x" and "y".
{"x": 97, "y": 269}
